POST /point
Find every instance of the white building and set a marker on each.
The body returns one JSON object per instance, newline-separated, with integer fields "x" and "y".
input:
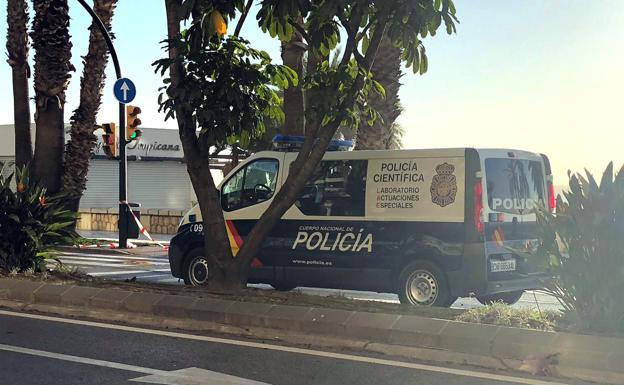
{"x": 157, "y": 176}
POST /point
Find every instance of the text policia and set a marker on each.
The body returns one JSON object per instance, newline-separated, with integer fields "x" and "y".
{"x": 341, "y": 241}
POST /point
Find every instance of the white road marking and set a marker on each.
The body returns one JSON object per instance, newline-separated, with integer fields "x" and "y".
{"x": 122, "y": 272}
{"x": 81, "y": 360}
{"x": 288, "y": 349}
{"x": 108, "y": 261}
{"x": 110, "y": 256}
{"x": 102, "y": 264}
{"x": 194, "y": 376}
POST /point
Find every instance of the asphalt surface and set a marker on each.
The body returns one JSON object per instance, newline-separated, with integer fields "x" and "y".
{"x": 152, "y": 265}
{"x": 70, "y": 353}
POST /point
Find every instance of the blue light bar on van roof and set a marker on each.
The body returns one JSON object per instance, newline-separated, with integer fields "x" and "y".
{"x": 294, "y": 143}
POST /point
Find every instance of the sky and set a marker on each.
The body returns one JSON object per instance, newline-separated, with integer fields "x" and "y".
{"x": 543, "y": 76}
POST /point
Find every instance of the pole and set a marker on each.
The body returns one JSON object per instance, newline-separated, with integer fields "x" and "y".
{"x": 123, "y": 180}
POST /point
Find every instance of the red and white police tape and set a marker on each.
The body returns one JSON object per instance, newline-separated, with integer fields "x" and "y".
{"x": 106, "y": 245}
{"x": 130, "y": 245}
{"x": 142, "y": 229}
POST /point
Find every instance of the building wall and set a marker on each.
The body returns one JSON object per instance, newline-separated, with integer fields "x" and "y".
{"x": 155, "y": 221}
{"x": 157, "y": 179}
{"x": 153, "y": 184}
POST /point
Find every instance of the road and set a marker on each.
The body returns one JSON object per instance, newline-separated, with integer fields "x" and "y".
{"x": 36, "y": 349}
{"x": 153, "y": 266}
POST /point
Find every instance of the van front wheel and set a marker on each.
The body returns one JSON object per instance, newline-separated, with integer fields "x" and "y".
{"x": 508, "y": 298}
{"x": 195, "y": 268}
{"x": 423, "y": 283}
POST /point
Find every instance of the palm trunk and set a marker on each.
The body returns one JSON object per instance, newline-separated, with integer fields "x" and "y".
{"x": 83, "y": 140}
{"x": 312, "y": 113}
{"x": 17, "y": 49}
{"x": 223, "y": 270}
{"x": 51, "y": 40}
{"x": 387, "y": 71}
{"x": 292, "y": 56}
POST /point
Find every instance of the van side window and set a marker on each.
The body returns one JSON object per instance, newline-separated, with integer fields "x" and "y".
{"x": 250, "y": 185}
{"x": 337, "y": 188}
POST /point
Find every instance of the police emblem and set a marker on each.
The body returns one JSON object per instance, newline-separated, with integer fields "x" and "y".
{"x": 444, "y": 185}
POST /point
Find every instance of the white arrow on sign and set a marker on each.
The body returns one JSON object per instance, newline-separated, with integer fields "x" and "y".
{"x": 124, "y": 88}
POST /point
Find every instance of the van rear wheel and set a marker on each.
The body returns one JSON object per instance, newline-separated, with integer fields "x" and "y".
{"x": 508, "y": 298}
{"x": 423, "y": 283}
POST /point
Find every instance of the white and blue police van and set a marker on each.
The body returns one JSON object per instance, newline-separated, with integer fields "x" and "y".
{"x": 430, "y": 225}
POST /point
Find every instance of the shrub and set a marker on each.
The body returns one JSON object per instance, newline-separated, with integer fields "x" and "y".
{"x": 583, "y": 244}
{"x": 30, "y": 223}
{"x": 502, "y": 314}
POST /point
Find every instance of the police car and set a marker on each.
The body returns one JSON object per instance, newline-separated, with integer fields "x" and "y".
{"x": 431, "y": 225}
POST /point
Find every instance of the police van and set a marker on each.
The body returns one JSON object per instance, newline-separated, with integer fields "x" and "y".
{"x": 430, "y": 225}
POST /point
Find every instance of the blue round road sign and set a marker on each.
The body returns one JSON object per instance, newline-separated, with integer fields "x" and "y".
{"x": 124, "y": 90}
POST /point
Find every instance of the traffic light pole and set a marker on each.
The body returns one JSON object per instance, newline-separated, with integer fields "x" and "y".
{"x": 123, "y": 180}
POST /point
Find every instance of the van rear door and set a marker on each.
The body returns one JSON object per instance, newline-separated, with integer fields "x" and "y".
{"x": 514, "y": 183}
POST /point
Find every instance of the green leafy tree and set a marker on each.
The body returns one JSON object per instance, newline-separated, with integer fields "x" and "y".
{"x": 213, "y": 86}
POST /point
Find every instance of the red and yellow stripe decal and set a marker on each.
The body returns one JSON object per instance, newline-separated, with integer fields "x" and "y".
{"x": 236, "y": 242}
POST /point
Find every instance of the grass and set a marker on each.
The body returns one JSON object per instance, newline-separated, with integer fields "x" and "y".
{"x": 504, "y": 315}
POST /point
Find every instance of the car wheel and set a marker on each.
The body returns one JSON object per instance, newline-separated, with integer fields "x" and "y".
{"x": 423, "y": 283}
{"x": 508, "y": 298}
{"x": 195, "y": 269}
{"x": 283, "y": 286}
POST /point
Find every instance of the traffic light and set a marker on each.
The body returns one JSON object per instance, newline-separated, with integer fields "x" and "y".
{"x": 132, "y": 122}
{"x": 109, "y": 139}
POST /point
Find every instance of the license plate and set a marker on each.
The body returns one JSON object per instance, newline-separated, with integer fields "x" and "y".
{"x": 508, "y": 265}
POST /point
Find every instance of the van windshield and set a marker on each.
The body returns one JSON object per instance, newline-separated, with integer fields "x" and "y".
{"x": 514, "y": 185}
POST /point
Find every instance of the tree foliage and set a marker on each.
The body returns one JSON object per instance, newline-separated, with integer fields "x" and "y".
{"x": 230, "y": 88}
{"x": 340, "y": 92}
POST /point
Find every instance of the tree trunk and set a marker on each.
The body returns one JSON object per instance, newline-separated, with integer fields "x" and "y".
{"x": 387, "y": 71}
{"x": 83, "y": 140}
{"x": 224, "y": 272}
{"x": 294, "y": 112}
{"x": 307, "y": 159}
{"x": 51, "y": 40}
{"x": 17, "y": 49}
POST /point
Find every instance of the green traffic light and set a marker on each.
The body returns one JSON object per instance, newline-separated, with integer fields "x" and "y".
{"x": 135, "y": 134}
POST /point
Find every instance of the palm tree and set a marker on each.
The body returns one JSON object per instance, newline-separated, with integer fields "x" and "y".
{"x": 292, "y": 56}
{"x": 384, "y": 133}
{"x": 17, "y": 49}
{"x": 51, "y": 40}
{"x": 83, "y": 140}
{"x": 395, "y": 137}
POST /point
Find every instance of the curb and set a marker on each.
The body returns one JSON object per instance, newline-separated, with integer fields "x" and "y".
{"x": 90, "y": 250}
{"x": 584, "y": 357}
